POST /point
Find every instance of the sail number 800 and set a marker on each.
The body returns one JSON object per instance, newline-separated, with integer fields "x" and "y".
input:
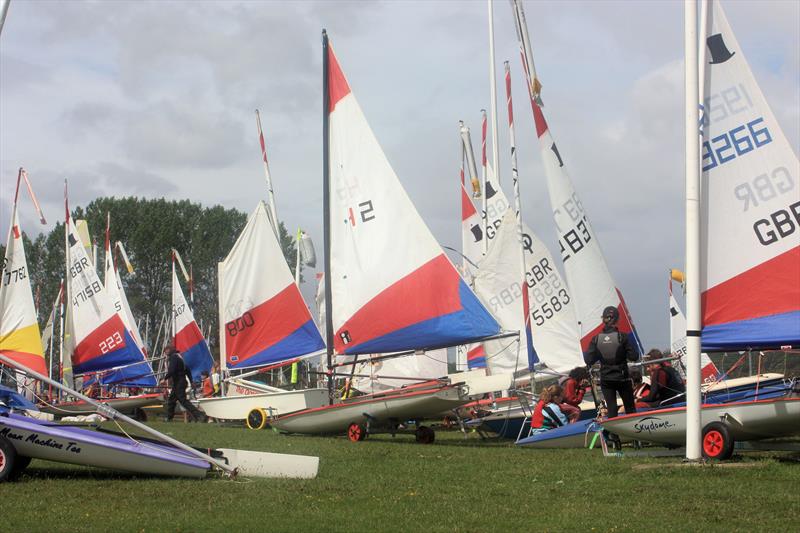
{"x": 239, "y": 324}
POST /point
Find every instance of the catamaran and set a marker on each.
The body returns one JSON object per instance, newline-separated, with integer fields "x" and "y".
{"x": 389, "y": 286}
{"x": 749, "y": 245}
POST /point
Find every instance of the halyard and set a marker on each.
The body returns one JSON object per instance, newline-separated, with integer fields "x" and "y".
{"x": 394, "y": 484}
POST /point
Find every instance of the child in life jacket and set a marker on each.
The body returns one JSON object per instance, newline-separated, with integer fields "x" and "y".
{"x": 547, "y": 414}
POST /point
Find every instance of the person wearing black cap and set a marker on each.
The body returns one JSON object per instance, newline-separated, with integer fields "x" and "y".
{"x": 613, "y": 349}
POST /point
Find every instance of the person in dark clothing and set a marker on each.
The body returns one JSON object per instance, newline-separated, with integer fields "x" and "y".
{"x": 613, "y": 349}
{"x": 179, "y": 377}
{"x": 666, "y": 384}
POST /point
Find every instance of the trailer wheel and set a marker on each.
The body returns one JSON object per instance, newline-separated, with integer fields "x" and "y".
{"x": 717, "y": 441}
{"x": 8, "y": 460}
{"x": 356, "y": 432}
{"x": 425, "y": 435}
{"x": 256, "y": 418}
{"x": 140, "y": 414}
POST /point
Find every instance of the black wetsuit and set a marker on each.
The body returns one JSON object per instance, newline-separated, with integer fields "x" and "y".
{"x": 613, "y": 349}
{"x": 179, "y": 377}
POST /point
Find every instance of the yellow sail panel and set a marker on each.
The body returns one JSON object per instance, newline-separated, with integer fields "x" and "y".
{"x": 19, "y": 329}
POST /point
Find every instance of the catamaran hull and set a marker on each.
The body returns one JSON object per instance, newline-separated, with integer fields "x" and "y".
{"x": 123, "y": 405}
{"x": 376, "y": 410}
{"x": 762, "y": 419}
{"x": 65, "y": 444}
{"x": 274, "y": 403}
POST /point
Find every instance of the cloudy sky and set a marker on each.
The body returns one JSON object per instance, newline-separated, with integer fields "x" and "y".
{"x": 157, "y": 99}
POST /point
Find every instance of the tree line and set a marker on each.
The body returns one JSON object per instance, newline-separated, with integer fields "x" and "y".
{"x": 149, "y": 229}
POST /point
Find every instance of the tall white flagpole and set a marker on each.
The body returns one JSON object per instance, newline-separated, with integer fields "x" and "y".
{"x": 693, "y": 310}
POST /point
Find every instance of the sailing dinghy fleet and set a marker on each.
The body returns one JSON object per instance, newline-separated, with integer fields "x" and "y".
{"x": 393, "y": 301}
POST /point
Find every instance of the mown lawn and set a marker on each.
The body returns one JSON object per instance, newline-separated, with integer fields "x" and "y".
{"x": 385, "y": 484}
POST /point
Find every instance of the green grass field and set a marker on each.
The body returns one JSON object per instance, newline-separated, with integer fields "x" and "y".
{"x": 386, "y": 484}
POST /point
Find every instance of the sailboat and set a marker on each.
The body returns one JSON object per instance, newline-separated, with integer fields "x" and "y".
{"x": 96, "y": 337}
{"x": 186, "y": 334}
{"x": 749, "y": 247}
{"x": 19, "y": 328}
{"x": 389, "y": 285}
{"x": 264, "y": 322}
{"x": 591, "y": 284}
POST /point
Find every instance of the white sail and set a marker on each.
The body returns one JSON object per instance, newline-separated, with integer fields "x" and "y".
{"x": 263, "y": 316}
{"x": 19, "y": 329}
{"x": 750, "y": 228}
{"x": 392, "y": 286}
{"x": 553, "y": 322}
{"x": 390, "y": 373}
{"x": 98, "y": 339}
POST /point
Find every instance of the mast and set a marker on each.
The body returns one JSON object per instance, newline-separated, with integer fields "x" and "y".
{"x": 483, "y": 183}
{"x": 3, "y": 11}
{"x": 326, "y": 202}
{"x": 270, "y": 193}
{"x": 693, "y": 320}
{"x": 518, "y": 207}
{"x": 493, "y": 92}
{"x": 297, "y": 264}
{"x": 466, "y": 145}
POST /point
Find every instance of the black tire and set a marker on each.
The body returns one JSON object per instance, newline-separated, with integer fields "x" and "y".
{"x": 717, "y": 441}
{"x": 425, "y": 435}
{"x": 256, "y": 418}
{"x": 140, "y": 414}
{"x": 8, "y": 460}
{"x": 356, "y": 432}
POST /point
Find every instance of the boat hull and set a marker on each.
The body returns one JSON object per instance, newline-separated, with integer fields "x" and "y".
{"x": 377, "y": 410}
{"x": 274, "y": 403}
{"x": 754, "y": 420}
{"x": 570, "y": 436}
{"x": 66, "y": 444}
{"x": 123, "y": 405}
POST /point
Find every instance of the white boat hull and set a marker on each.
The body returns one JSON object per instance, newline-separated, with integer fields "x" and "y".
{"x": 274, "y": 403}
{"x": 762, "y": 419}
{"x": 378, "y": 409}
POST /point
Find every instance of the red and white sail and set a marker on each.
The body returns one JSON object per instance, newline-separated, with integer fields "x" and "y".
{"x": 591, "y": 285}
{"x": 19, "y": 328}
{"x": 750, "y": 229}
{"x": 188, "y": 338}
{"x": 263, "y": 317}
{"x": 392, "y": 286}
{"x": 98, "y": 339}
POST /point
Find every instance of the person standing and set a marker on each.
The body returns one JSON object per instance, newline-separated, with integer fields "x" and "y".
{"x": 179, "y": 377}
{"x": 613, "y": 349}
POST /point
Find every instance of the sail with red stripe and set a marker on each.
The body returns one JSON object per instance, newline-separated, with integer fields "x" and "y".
{"x": 264, "y": 317}
{"x": 393, "y": 288}
{"x": 98, "y": 339}
{"x": 589, "y": 278}
{"x": 139, "y": 374}
{"x": 19, "y": 329}
{"x": 188, "y": 338}
{"x": 590, "y": 282}
{"x": 750, "y": 231}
